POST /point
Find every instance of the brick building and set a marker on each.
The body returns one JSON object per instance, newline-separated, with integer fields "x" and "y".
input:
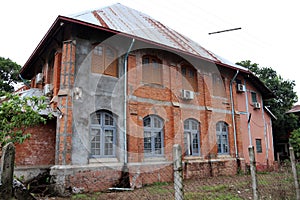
{"x": 176, "y": 92}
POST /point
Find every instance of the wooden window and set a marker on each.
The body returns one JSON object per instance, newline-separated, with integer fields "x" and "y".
{"x": 191, "y": 137}
{"x": 153, "y": 136}
{"x": 152, "y": 70}
{"x": 218, "y": 86}
{"x": 104, "y": 60}
{"x": 222, "y": 138}
{"x": 258, "y": 146}
{"x": 103, "y": 134}
{"x": 189, "y": 78}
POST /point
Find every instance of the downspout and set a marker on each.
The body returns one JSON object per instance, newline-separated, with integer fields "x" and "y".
{"x": 24, "y": 81}
{"x": 232, "y": 113}
{"x": 248, "y": 115}
{"x": 125, "y": 101}
{"x": 265, "y": 131}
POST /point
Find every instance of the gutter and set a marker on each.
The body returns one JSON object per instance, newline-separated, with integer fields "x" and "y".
{"x": 125, "y": 101}
{"x": 232, "y": 113}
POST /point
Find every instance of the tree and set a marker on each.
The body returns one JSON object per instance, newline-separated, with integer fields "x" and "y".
{"x": 286, "y": 97}
{"x": 295, "y": 141}
{"x": 17, "y": 114}
{"x": 9, "y": 74}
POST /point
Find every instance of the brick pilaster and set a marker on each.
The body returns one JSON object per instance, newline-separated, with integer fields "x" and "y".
{"x": 65, "y": 123}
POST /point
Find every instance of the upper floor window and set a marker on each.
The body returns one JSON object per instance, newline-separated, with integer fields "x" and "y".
{"x": 153, "y": 136}
{"x": 189, "y": 77}
{"x": 253, "y": 97}
{"x": 152, "y": 70}
{"x": 104, "y": 60}
{"x": 191, "y": 137}
{"x": 103, "y": 134}
{"x": 258, "y": 145}
{"x": 218, "y": 85}
{"x": 222, "y": 138}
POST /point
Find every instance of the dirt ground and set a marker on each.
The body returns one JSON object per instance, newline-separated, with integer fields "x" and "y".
{"x": 270, "y": 186}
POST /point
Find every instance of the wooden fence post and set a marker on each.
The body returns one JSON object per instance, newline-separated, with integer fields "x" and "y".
{"x": 7, "y": 171}
{"x": 178, "y": 176}
{"x": 294, "y": 169}
{"x": 253, "y": 172}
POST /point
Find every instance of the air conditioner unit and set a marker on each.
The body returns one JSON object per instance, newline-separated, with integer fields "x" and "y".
{"x": 187, "y": 94}
{"x": 48, "y": 89}
{"x": 39, "y": 78}
{"x": 256, "y": 105}
{"x": 241, "y": 88}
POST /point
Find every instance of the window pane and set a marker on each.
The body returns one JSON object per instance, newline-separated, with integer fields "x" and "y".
{"x": 253, "y": 96}
{"x": 157, "y": 123}
{"x": 147, "y": 122}
{"x": 147, "y": 142}
{"x": 98, "y": 50}
{"x": 146, "y": 60}
{"x": 191, "y": 73}
{"x": 109, "y": 53}
{"x": 158, "y": 142}
{"x": 96, "y": 118}
{"x": 258, "y": 146}
{"x": 194, "y": 125}
{"x": 186, "y": 125}
{"x": 187, "y": 143}
{"x": 109, "y": 121}
{"x": 195, "y": 143}
{"x": 183, "y": 71}
{"x": 95, "y": 141}
{"x": 108, "y": 147}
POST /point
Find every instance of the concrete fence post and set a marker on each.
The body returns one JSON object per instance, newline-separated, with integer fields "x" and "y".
{"x": 178, "y": 176}
{"x": 7, "y": 171}
{"x": 294, "y": 169}
{"x": 253, "y": 172}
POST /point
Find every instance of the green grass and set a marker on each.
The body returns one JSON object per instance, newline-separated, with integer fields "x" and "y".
{"x": 210, "y": 196}
{"x": 215, "y": 188}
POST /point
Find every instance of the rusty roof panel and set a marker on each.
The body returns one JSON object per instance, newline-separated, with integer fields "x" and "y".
{"x": 123, "y": 19}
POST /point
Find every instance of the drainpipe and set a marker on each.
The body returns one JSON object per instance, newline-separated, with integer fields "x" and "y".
{"x": 232, "y": 113}
{"x": 24, "y": 81}
{"x": 125, "y": 101}
{"x": 265, "y": 130}
{"x": 248, "y": 115}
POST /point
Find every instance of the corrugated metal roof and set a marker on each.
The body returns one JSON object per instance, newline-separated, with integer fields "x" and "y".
{"x": 127, "y": 20}
{"x": 295, "y": 109}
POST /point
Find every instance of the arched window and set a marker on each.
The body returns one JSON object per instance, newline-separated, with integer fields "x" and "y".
{"x": 222, "y": 138}
{"x": 152, "y": 70}
{"x": 153, "y": 136}
{"x": 103, "y": 134}
{"x": 104, "y": 60}
{"x": 189, "y": 77}
{"x": 191, "y": 137}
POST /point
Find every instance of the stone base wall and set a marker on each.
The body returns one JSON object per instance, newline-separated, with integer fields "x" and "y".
{"x": 212, "y": 167}
{"x": 101, "y": 177}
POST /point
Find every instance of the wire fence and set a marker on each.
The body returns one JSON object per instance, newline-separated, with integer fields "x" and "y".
{"x": 276, "y": 184}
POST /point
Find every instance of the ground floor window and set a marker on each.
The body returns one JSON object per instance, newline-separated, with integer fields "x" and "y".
{"x": 103, "y": 134}
{"x": 191, "y": 137}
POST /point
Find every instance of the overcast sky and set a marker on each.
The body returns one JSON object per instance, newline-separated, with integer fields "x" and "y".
{"x": 270, "y": 34}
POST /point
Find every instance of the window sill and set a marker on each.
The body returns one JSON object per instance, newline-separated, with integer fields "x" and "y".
{"x": 103, "y": 160}
{"x": 190, "y": 158}
{"x": 154, "y": 159}
{"x": 154, "y": 85}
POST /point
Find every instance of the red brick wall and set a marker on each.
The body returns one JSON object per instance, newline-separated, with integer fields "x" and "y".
{"x": 39, "y": 149}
